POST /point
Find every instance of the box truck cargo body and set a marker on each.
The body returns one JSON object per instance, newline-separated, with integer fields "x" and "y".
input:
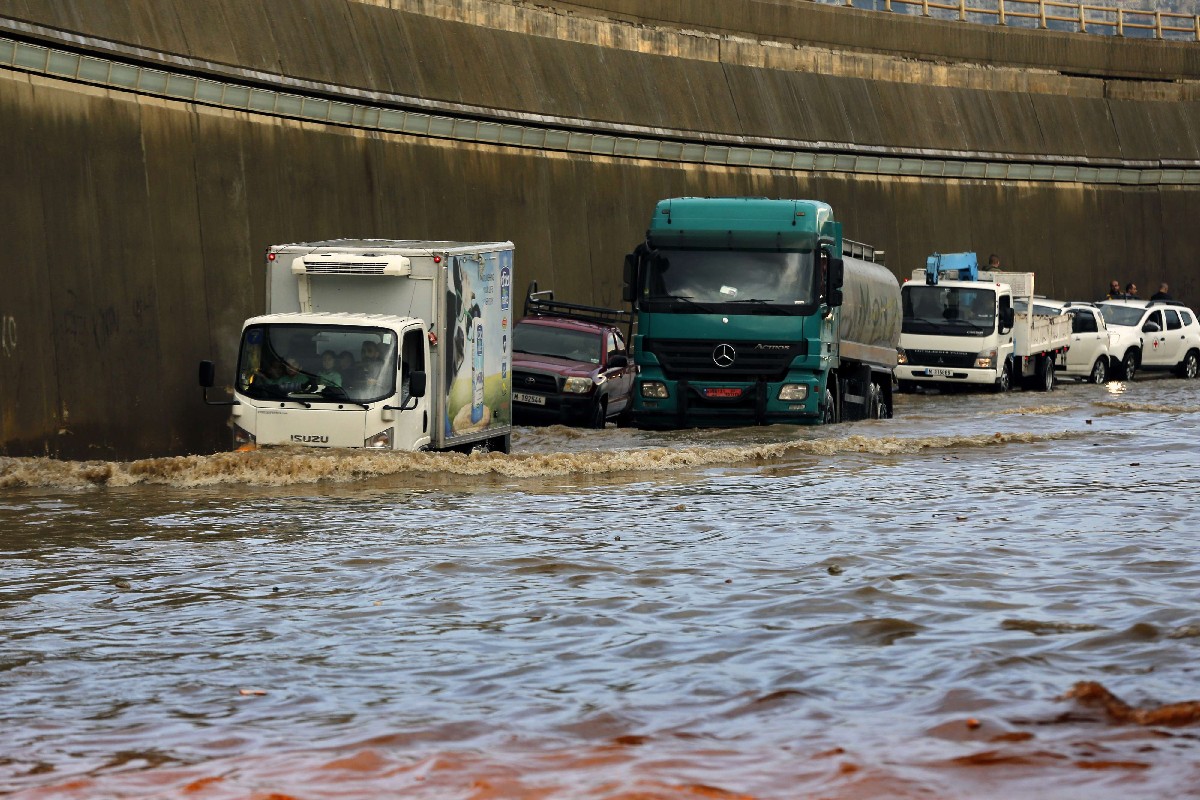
{"x": 384, "y": 344}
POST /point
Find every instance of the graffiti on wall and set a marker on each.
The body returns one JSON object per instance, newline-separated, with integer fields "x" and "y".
{"x": 8, "y": 335}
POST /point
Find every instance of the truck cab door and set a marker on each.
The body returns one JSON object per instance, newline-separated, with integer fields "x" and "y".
{"x": 413, "y": 419}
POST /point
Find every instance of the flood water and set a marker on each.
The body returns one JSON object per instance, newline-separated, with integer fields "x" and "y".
{"x": 891, "y": 608}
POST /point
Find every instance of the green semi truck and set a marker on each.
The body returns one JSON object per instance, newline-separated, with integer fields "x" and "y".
{"x": 752, "y": 311}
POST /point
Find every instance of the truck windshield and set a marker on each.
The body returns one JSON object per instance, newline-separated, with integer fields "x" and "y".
{"x": 546, "y": 340}
{"x": 728, "y": 281}
{"x": 948, "y": 310}
{"x": 1126, "y": 316}
{"x": 317, "y": 363}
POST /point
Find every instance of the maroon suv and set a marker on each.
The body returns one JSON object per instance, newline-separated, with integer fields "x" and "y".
{"x": 570, "y": 364}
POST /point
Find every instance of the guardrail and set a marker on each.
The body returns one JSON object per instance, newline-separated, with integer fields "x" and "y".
{"x": 1049, "y": 15}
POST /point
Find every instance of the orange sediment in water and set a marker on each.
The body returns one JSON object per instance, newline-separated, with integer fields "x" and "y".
{"x": 1095, "y": 694}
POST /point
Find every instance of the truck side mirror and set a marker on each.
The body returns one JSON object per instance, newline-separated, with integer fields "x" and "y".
{"x": 629, "y": 292}
{"x": 416, "y": 384}
{"x": 837, "y": 275}
{"x": 207, "y": 378}
{"x": 1007, "y": 317}
{"x": 618, "y": 361}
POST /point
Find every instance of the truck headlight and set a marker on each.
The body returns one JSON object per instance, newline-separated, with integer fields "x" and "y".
{"x": 901, "y": 356}
{"x": 986, "y": 360}
{"x": 243, "y": 439}
{"x": 381, "y": 440}
{"x": 578, "y": 385}
{"x": 655, "y": 389}
{"x": 793, "y": 391}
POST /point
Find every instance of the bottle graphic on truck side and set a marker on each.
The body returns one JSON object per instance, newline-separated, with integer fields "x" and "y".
{"x": 477, "y": 377}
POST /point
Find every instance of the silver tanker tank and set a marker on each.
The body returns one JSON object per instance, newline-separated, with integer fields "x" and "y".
{"x": 870, "y": 313}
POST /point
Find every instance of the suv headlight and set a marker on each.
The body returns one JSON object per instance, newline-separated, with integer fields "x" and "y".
{"x": 986, "y": 360}
{"x": 578, "y": 385}
{"x": 381, "y": 440}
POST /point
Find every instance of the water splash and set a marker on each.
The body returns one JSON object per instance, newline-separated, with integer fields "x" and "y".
{"x": 289, "y": 466}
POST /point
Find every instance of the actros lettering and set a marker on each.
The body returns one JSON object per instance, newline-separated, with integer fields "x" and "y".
{"x": 302, "y": 439}
{"x": 8, "y": 335}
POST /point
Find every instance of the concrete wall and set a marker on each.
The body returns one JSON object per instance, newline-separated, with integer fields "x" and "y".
{"x": 134, "y": 226}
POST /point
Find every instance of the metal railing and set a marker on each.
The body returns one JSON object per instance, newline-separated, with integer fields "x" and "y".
{"x": 1057, "y": 15}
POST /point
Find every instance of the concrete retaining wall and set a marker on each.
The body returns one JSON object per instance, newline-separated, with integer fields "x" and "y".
{"x": 134, "y": 226}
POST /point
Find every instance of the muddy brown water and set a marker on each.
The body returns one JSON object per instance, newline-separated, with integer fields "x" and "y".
{"x": 880, "y": 609}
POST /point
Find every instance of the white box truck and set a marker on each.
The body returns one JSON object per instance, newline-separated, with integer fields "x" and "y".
{"x": 960, "y": 326}
{"x": 383, "y": 344}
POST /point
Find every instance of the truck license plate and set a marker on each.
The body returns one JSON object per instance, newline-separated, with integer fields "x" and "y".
{"x": 937, "y": 372}
{"x": 525, "y": 397}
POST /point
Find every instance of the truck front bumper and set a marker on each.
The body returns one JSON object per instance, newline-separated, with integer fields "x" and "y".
{"x": 700, "y": 405}
{"x": 971, "y": 375}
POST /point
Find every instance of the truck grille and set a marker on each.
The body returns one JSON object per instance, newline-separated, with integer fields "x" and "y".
{"x": 940, "y": 358}
{"x": 534, "y": 382}
{"x": 697, "y": 360}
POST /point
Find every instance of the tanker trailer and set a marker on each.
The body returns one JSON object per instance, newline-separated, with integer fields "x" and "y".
{"x": 868, "y": 335}
{"x": 741, "y": 320}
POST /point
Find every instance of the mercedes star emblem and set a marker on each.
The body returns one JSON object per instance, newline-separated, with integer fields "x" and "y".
{"x": 724, "y": 355}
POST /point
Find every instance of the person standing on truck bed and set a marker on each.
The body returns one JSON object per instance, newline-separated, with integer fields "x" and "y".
{"x": 1131, "y": 291}
{"x": 993, "y": 262}
{"x": 1163, "y": 293}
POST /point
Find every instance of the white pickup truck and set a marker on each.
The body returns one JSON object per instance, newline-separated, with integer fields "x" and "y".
{"x": 960, "y": 326}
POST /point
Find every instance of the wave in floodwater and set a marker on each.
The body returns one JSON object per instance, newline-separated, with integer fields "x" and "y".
{"x": 287, "y": 466}
{"x": 1031, "y": 410}
{"x": 1151, "y": 408}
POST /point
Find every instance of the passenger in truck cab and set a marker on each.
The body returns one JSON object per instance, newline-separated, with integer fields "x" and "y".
{"x": 345, "y": 365}
{"x": 371, "y": 374}
{"x": 405, "y": 370}
{"x": 293, "y": 378}
{"x": 328, "y": 373}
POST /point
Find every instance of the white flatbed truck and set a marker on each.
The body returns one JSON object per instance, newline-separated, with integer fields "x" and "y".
{"x": 960, "y": 327}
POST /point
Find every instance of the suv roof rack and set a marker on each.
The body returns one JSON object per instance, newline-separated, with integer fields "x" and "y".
{"x": 1164, "y": 303}
{"x": 542, "y": 303}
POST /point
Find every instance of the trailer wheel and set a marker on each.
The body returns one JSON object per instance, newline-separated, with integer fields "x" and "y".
{"x": 1004, "y": 382}
{"x": 1045, "y": 369}
{"x": 876, "y": 409}
{"x": 1099, "y": 371}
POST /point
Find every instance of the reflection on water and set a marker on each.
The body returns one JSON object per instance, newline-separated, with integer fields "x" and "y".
{"x": 902, "y": 608}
